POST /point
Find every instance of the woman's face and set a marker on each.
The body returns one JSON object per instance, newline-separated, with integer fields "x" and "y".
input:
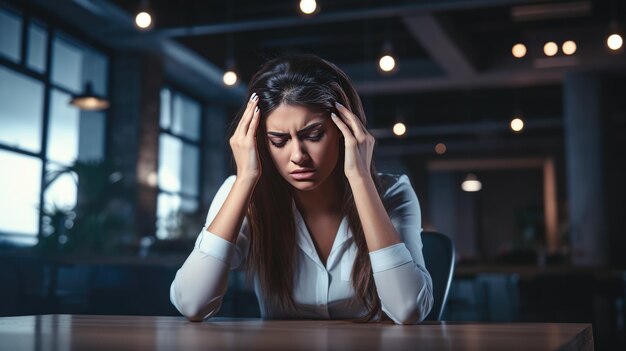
{"x": 298, "y": 139}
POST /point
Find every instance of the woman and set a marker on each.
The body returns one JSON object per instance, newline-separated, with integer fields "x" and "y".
{"x": 320, "y": 232}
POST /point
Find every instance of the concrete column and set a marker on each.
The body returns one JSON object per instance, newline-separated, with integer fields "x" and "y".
{"x": 123, "y": 127}
{"x": 148, "y": 152}
{"x": 583, "y": 120}
{"x": 217, "y": 152}
{"x": 133, "y": 129}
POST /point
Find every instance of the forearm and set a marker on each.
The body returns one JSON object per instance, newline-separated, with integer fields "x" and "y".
{"x": 199, "y": 286}
{"x": 405, "y": 293}
{"x": 229, "y": 218}
{"x": 377, "y": 227}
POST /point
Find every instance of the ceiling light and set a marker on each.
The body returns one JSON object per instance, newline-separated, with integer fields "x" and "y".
{"x": 387, "y": 63}
{"x": 308, "y": 6}
{"x": 471, "y": 183}
{"x": 230, "y": 78}
{"x": 399, "y": 129}
{"x": 89, "y": 101}
{"x": 519, "y": 50}
{"x": 569, "y": 47}
{"x": 517, "y": 125}
{"x": 614, "y": 41}
{"x": 440, "y": 148}
{"x": 537, "y": 12}
{"x": 550, "y": 48}
{"x": 143, "y": 20}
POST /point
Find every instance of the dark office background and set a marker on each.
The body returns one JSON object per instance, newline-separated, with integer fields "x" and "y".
{"x": 99, "y": 208}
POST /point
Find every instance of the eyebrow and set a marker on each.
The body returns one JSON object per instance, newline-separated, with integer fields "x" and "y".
{"x": 301, "y": 131}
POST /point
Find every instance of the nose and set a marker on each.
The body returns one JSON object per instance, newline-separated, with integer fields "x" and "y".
{"x": 298, "y": 154}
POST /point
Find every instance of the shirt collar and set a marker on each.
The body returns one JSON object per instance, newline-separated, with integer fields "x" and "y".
{"x": 306, "y": 242}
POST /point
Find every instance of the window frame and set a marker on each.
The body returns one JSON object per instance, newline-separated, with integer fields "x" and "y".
{"x": 200, "y": 144}
{"x": 54, "y": 28}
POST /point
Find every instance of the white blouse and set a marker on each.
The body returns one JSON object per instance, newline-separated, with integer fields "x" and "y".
{"x": 320, "y": 291}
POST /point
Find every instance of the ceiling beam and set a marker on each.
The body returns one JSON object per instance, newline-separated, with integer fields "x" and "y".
{"x": 485, "y": 164}
{"x": 453, "y": 57}
{"x": 501, "y": 78}
{"x": 473, "y": 128}
{"x": 527, "y": 145}
{"x": 507, "y": 74}
{"x": 537, "y": 12}
{"x": 419, "y": 7}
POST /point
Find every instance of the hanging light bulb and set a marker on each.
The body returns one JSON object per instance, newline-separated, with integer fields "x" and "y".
{"x": 440, "y": 148}
{"x": 550, "y": 48}
{"x": 569, "y": 47}
{"x": 471, "y": 183}
{"x": 519, "y": 50}
{"x": 517, "y": 124}
{"x": 614, "y": 41}
{"x": 387, "y": 62}
{"x": 230, "y": 78}
{"x": 308, "y": 6}
{"x": 399, "y": 129}
{"x": 143, "y": 19}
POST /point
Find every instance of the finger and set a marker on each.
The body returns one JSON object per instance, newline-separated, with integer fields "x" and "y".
{"x": 255, "y": 122}
{"x": 347, "y": 134}
{"x": 355, "y": 122}
{"x": 244, "y": 123}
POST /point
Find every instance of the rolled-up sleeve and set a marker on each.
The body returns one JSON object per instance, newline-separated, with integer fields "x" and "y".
{"x": 402, "y": 281}
{"x": 200, "y": 284}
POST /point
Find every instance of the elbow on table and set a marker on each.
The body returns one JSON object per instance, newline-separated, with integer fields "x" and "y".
{"x": 413, "y": 312}
{"x": 200, "y": 313}
{"x": 409, "y": 316}
{"x": 194, "y": 311}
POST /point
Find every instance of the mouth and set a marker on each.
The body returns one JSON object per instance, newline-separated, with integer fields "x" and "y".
{"x": 303, "y": 174}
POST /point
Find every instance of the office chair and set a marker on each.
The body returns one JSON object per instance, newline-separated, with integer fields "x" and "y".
{"x": 438, "y": 252}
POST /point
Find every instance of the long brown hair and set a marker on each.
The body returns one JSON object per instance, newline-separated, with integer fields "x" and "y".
{"x": 310, "y": 81}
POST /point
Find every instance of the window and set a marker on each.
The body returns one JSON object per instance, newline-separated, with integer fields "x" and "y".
{"x": 41, "y": 132}
{"x": 10, "y": 35}
{"x": 179, "y": 162}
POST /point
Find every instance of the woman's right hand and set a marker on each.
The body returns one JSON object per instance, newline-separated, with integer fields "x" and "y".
{"x": 243, "y": 142}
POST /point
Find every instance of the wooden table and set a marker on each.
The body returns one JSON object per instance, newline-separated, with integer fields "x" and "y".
{"x": 85, "y": 332}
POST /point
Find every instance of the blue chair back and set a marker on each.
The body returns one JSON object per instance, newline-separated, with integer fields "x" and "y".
{"x": 438, "y": 252}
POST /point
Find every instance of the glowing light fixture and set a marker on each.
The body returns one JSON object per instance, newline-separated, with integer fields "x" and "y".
{"x": 387, "y": 63}
{"x": 143, "y": 20}
{"x": 230, "y": 78}
{"x": 550, "y": 48}
{"x": 519, "y": 50}
{"x": 569, "y": 47}
{"x": 399, "y": 129}
{"x": 230, "y": 74}
{"x": 440, "y": 148}
{"x": 614, "y": 41}
{"x": 89, "y": 101}
{"x": 308, "y": 6}
{"x": 517, "y": 124}
{"x": 471, "y": 183}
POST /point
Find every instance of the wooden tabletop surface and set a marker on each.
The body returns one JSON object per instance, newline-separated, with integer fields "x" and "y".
{"x": 89, "y": 332}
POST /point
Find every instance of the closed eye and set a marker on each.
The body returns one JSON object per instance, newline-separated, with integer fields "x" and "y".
{"x": 314, "y": 138}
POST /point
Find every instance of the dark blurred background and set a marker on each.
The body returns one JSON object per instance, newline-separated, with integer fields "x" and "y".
{"x": 113, "y": 143}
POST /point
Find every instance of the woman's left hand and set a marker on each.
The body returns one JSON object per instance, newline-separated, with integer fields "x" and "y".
{"x": 359, "y": 143}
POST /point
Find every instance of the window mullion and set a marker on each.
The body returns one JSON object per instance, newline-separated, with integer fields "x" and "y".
{"x": 45, "y": 124}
